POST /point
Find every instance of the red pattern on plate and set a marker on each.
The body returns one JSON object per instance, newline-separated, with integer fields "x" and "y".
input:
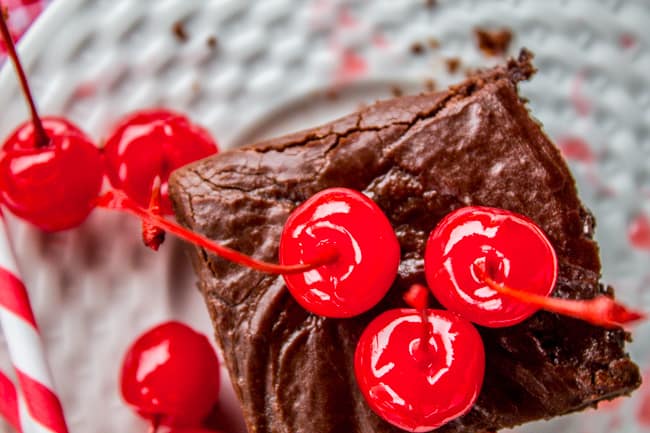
{"x": 639, "y": 232}
{"x": 575, "y": 148}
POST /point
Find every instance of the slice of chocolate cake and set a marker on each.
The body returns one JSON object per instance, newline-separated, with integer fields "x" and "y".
{"x": 418, "y": 157}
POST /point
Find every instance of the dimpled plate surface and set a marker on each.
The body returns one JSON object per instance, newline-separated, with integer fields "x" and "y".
{"x": 253, "y": 69}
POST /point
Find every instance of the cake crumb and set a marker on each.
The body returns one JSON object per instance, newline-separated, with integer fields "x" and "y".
{"x": 212, "y": 42}
{"x": 493, "y": 42}
{"x": 196, "y": 87}
{"x": 331, "y": 94}
{"x": 396, "y": 90}
{"x": 431, "y": 3}
{"x": 179, "y": 31}
{"x": 5, "y": 11}
{"x": 453, "y": 64}
{"x": 429, "y": 85}
{"x": 417, "y": 48}
{"x": 433, "y": 43}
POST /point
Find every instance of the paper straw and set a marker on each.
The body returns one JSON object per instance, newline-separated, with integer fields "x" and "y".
{"x": 26, "y": 350}
{"x": 9, "y": 402}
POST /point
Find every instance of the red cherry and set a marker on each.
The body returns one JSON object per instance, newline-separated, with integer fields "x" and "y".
{"x": 508, "y": 247}
{"x": 50, "y": 171}
{"x": 171, "y": 375}
{"x": 53, "y": 186}
{"x": 419, "y": 387}
{"x": 368, "y": 253}
{"x": 149, "y": 144}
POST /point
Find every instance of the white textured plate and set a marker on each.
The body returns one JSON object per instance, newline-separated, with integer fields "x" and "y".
{"x": 95, "y": 288}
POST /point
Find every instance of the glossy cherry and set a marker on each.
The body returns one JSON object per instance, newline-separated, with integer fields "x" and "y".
{"x": 367, "y": 248}
{"x": 54, "y": 186}
{"x": 170, "y": 375}
{"x": 414, "y": 383}
{"x": 50, "y": 171}
{"x": 510, "y": 248}
{"x": 149, "y": 144}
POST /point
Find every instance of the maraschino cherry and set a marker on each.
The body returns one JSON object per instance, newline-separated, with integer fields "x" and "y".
{"x": 150, "y": 144}
{"x": 50, "y": 171}
{"x": 170, "y": 375}
{"x": 338, "y": 252}
{"x": 496, "y": 268}
{"x": 512, "y": 249}
{"x": 368, "y": 253}
{"x": 419, "y": 368}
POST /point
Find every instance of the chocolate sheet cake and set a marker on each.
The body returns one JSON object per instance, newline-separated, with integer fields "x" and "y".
{"x": 418, "y": 157}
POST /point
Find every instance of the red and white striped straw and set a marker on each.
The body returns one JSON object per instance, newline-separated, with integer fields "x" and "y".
{"x": 42, "y": 411}
{"x": 9, "y": 402}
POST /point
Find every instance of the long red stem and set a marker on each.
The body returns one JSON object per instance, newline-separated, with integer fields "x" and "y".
{"x": 601, "y": 311}
{"x": 117, "y": 200}
{"x": 40, "y": 136}
{"x": 417, "y": 297}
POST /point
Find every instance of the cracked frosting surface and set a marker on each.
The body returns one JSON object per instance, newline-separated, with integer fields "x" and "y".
{"x": 418, "y": 157}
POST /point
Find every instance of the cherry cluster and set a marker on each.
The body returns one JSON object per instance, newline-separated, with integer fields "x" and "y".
{"x": 417, "y": 368}
{"x": 51, "y": 173}
{"x": 441, "y": 359}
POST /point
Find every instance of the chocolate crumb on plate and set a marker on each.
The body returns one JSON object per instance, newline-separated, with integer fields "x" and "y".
{"x": 179, "y": 31}
{"x": 212, "y": 42}
{"x": 453, "y": 64}
{"x": 494, "y": 42}
{"x": 417, "y": 48}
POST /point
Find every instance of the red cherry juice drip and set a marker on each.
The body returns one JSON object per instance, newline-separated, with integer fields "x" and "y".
{"x": 351, "y": 66}
{"x": 639, "y": 232}
{"x": 346, "y": 19}
{"x": 576, "y": 148}
{"x": 600, "y": 311}
{"x": 40, "y": 136}
{"x": 580, "y": 103}
{"x": 643, "y": 412}
{"x": 117, "y": 200}
{"x": 627, "y": 41}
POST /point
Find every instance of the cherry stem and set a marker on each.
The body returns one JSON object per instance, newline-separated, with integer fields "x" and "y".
{"x": 155, "y": 423}
{"x": 40, "y": 136}
{"x": 117, "y": 200}
{"x": 153, "y": 236}
{"x": 601, "y": 310}
{"x": 417, "y": 297}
